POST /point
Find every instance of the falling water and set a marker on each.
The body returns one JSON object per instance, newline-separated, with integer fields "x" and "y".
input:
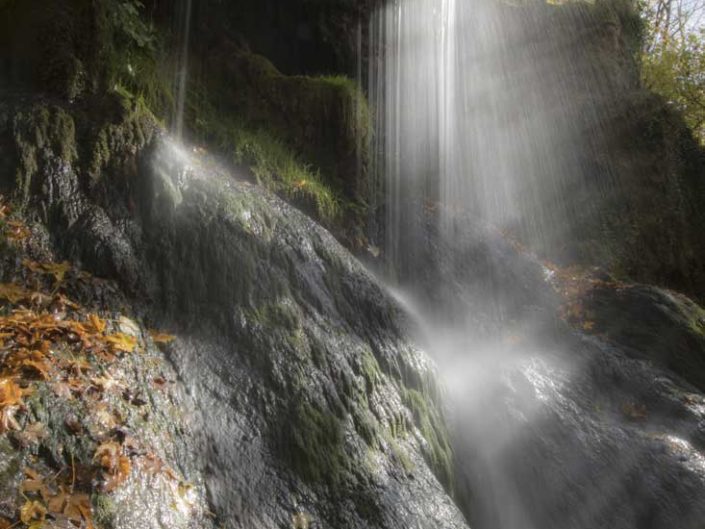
{"x": 488, "y": 109}
{"x": 491, "y": 123}
{"x": 184, "y": 13}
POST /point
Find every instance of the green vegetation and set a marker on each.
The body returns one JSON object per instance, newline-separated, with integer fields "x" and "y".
{"x": 673, "y": 60}
{"x": 34, "y": 131}
{"x": 305, "y": 138}
{"x": 428, "y": 420}
{"x": 314, "y": 444}
{"x": 272, "y": 162}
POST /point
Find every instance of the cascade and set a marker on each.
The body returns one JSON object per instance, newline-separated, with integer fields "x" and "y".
{"x": 483, "y": 109}
{"x": 184, "y": 14}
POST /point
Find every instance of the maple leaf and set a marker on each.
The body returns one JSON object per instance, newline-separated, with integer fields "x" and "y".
{"x": 31, "y": 511}
{"x": 41, "y": 367}
{"x": 57, "y": 503}
{"x": 163, "y": 338}
{"x": 122, "y": 342}
{"x": 34, "y": 484}
{"x": 10, "y": 393}
{"x": 97, "y": 323}
{"x": 79, "y": 506}
{"x": 79, "y": 366}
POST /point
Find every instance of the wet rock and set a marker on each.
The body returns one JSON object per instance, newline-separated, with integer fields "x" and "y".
{"x": 295, "y": 375}
{"x": 649, "y": 323}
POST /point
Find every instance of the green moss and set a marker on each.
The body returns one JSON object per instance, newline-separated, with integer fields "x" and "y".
{"x": 114, "y": 140}
{"x": 273, "y": 164}
{"x": 314, "y": 446}
{"x": 437, "y": 450}
{"x": 104, "y": 510}
{"x": 305, "y": 138}
{"x": 280, "y": 315}
{"x": 399, "y": 453}
{"x": 368, "y": 368}
{"x": 37, "y": 131}
{"x": 366, "y": 425}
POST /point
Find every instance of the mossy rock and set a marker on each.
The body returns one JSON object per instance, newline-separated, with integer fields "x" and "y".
{"x": 657, "y": 325}
{"x": 314, "y": 444}
{"x": 305, "y": 138}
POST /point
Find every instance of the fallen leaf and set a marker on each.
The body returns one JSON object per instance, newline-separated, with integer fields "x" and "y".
{"x": 34, "y": 484}
{"x": 116, "y": 466}
{"x": 31, "y": 511}
{"x": 57, "y": 503}
{"x": 10, "y": 393}
{"x": 58, "y": 270}
{"x": 13, "y": 293}
{"x": 122, "y": 342}
{"x": 161, "y": 338}
{"x": 98, "y": 323}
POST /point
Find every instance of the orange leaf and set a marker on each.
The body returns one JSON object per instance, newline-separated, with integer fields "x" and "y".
{"x": 97, "y": 323}
{"x": 122, "y": 342}
{"x": 163, "y": 338}
{"x": 10, "y": 393}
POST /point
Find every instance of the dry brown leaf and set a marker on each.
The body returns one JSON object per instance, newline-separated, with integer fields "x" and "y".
{"x": 56, "y": 503}
{"x": 58, "y": 270}
{"x": 7, "y": 419}
{"x": 161, "y": 338}
{"x": 10, "y": 393}
{"x": 122, "y": 342}
{"x": 97, "y": 323}
{"x": 34, "y": 485}
{"x": 116, "y": 466}
{"x": 13, "y": 293}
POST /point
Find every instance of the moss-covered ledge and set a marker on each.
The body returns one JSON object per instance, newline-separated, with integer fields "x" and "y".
{"x": 305, "y": 138}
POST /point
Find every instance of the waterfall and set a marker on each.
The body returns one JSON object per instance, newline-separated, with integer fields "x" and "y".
{"x": 183, "y": 18}
{"x": 488, "y": 109}
{"x": 491, "y": 126}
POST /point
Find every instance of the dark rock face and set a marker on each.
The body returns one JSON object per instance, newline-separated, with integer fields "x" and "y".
{"x": 662, "y": 327}
{"x": 635, "y": 182}
{"x": 306, "y": 400}
{"x": 598, "y": 424}
{"x": 590, "y": 439}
